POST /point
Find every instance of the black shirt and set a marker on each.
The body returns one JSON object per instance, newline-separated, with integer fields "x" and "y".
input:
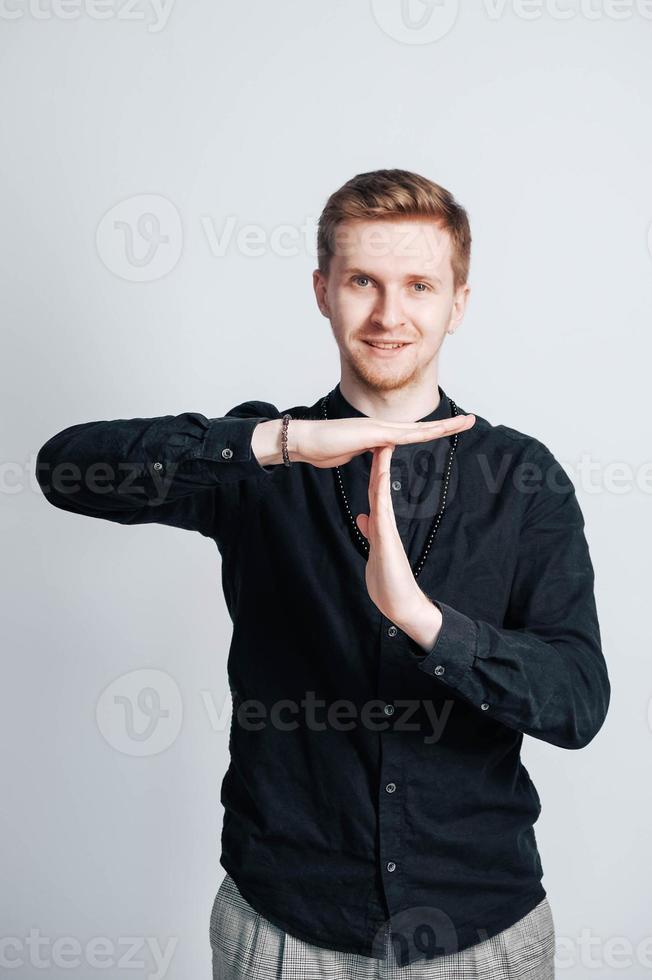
{"x": 370, "y": 780}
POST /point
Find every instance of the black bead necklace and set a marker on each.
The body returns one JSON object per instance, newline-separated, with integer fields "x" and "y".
{"x": 362, "y": 541}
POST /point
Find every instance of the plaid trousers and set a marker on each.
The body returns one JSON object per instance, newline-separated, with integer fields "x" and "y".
{"x": 246, "y": 946}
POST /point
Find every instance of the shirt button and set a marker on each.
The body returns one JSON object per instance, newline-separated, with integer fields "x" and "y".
{"x": 391, "y": 866}
{"x": 396, "y": 485}
{"x": 158, "y": 466}
{"x": 484, "y": 706}
{"x": 439, "y": 669}
{"x": 392, "y": 631}
{"x": 390, "y": 787}
{"x": 389, "y": 709}
{"x": 227, "y": 453}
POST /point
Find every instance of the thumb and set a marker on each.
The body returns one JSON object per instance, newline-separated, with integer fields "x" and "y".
{"x": 362, "y": 520}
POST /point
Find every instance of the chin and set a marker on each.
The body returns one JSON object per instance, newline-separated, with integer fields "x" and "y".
{"x": 380, "y": 378}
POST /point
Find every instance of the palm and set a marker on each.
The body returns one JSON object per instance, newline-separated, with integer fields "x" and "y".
{"x": 390, "y": 582}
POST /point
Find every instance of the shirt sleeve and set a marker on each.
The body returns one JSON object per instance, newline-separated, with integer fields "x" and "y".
{"x": 543, "y": 672}
{"x": 164, "y": 470}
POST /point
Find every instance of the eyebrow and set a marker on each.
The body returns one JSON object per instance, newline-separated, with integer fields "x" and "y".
{"x": 410, "y": 275}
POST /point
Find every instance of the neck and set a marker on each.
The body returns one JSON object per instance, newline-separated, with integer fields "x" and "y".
{"x": 408, "y": 403}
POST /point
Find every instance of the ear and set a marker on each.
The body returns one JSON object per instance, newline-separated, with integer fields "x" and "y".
{"x": 460, "y": 301}
{"x": 319, "y": 284}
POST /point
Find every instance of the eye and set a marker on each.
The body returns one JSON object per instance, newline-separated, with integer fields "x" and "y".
{"x": 356, "y": 278}
{"x": 425, "y": 287}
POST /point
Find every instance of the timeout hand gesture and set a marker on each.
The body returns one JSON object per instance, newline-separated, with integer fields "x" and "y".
{"x": 333, "y": 442}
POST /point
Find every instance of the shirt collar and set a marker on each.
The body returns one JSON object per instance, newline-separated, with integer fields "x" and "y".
{"x": 340, "y": 408}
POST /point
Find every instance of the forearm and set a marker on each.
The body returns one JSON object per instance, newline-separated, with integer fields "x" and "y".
{"x": 557, "y": 689}
{"x": 140, "y": 470}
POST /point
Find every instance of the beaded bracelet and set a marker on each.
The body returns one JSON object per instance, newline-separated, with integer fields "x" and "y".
{"x": 284, "y": 439}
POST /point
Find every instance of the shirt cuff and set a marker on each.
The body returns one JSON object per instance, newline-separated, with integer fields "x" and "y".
{"x": 228, "y": 441}
{"x": 454, "y": 650}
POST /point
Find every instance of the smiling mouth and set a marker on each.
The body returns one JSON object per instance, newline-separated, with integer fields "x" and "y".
{"x": 381, "y": 345}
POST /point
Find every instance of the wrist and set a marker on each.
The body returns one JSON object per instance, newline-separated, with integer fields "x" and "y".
{"x": 423, "y": 622}
{"x": 266, "y": 441}
{"x": 295, "y": 427}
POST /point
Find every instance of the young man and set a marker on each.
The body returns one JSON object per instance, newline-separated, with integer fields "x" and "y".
{"x": 411, "y": 591}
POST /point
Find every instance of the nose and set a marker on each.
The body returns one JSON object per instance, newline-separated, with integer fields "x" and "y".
{"x": 388, "y": 312}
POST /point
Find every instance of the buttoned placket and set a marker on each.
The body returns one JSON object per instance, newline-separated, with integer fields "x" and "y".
{"x": 391, "y": 817}
{"x": 391, "y": 786}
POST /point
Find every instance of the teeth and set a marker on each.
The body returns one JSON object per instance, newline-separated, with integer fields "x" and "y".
{"x": 387, "y": 346}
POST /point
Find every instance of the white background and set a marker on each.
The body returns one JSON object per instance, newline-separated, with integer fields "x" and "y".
{"x": 537, "y": 118}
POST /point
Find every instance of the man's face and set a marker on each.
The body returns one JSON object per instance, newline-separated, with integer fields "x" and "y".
{"x": 390, "y": 281}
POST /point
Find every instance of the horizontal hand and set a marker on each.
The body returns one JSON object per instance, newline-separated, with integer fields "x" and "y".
{"x": 333, "y": 442}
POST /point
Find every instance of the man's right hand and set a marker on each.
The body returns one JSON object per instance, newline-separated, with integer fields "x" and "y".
{"x": 333, "y": 442}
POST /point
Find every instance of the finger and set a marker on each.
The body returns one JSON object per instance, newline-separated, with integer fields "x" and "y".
{"x": 380, "y": 498}
{"x": 372, "y": 488}
{"x": 434, "y": 430}
{"x": 387, "y": 507}
{"x": 384, "y": 454}
{"x": 419, "y": 425}
{"x": 453, "y": 422}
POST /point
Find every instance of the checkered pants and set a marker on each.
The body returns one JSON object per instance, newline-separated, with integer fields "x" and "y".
{"x": 246, "y": 946}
